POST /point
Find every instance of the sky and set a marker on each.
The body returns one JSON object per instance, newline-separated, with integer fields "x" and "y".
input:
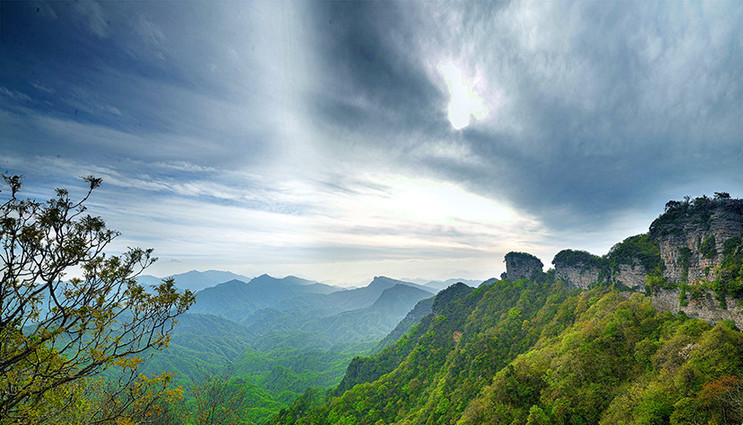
{"x": 338, "y": 141}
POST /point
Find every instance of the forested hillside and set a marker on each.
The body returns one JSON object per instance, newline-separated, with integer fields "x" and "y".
{"x": 304, "y": 335}
{"x": 530, "y": 352}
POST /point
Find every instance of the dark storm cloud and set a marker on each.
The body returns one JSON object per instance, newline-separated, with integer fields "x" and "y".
{"x": 607, "y": 106}
{"x": 371, "y": 82}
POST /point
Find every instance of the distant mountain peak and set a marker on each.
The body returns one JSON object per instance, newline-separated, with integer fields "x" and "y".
{"x": 384, "y": 280}
{"x": 400, "y": 291}
{"x": 233, "y": 282}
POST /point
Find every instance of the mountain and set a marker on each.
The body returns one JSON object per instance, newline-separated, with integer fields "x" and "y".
{"x": 439, "y": 285}
{"x": 328, "y": 304}
{"x": 308, "y": 320}
{"x": 277, "y": 348}
{"x": 195, "y": 280}
{"x": 371, "y": 323}
{"x": 540, "y": 353}
{"x": 422, "y": 309}
{"x": 366, "y": 296}
{"x": 200, "y": 344}
{"x": 204, "y": 346}
{"x": 592, "y": 341}
{"x": 237, "y": 300}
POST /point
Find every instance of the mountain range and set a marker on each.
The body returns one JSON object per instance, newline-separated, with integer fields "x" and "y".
{"x": 194, "y": 280}
{"x": 281, "y": 336}
{"x": 647, "y": 334}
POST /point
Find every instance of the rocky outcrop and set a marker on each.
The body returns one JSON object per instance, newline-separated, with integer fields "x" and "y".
{"x": 578, "y": 268}
{"x": 704, "y": 307}
{"x": 691, "y": 260}
{"x": 577, "y": 276}
{"x": 692, "y": 235}
{"x": 631, "y": 276}
{"x": 520, "y": 265}
{"x": 632, "y": 259}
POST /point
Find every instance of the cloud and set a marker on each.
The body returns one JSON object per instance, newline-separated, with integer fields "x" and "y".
{"x": 464, "y": 103}
{"x": 600, "y": 107}
{"x": 320, "y": 133}
{"x": 91, "y": 15}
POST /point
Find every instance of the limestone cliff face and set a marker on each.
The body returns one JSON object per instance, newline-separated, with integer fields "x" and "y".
{"x": 577, "y": 276}
{"x": 689, "y": 243}
{"x": 520, "y": 265}
{"x": 632, "y": 276}
{"x": 692, "y": 235}
{"x": 578, "y": 268}
{"x": 706, "y": 307}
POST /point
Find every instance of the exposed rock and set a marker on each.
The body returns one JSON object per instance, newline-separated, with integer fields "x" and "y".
{"x": 705, "y": 307}
{"x": 691, "y": 236}
{"x": 631, "y": 276}
{"x": 577, "y": 276}
{"x": 632, "y": 259}
{"x": 578, "y": 268}
{"x": 520, "y": 265}
{"x": 689, "y": 244}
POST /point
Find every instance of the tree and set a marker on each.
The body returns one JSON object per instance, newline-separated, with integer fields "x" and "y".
{"x": 57, "y": 333}
{"x": 219, "y": 400}
{"x": 723, "y": 398}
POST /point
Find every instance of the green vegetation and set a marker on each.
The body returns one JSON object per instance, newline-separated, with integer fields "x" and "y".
{"x": 620, "y": 362}
{"x": 582, "y": 259}
{"x": 684, "y": 253}
{"x": 639, "y": 250}
{"x": 529, "y": 353}
{"x": 56, "y": 336}
{"x": 509, "y": 352}
{"x": 523, "y": 256}
{"x": 729, "y": 275}
{"x": 730, "y": 246}
{"x": 707, "y": 247}
{"x": 642, "y": 248}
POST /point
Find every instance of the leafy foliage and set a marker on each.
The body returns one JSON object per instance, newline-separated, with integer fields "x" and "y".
{"x": 434, "y": 374}
{"x": 585, "y": 259}
{"x": 729, "y": 275}
{"x": 56, "y": 334}
{"x": 707, "y": 247}
{"x": 684, "y": 255}
{"x": 642, "y": 248}
{"x": 538, "y": 354}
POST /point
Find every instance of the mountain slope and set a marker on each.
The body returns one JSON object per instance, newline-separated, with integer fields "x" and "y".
{"x": 414, "y": 316}
{"x": 199, "y": 344}
{"x": 371, "y": 323}
{"x": 305, "y": 311}
{"x": 540, "y": 353}
{"x": 349, "y": 299}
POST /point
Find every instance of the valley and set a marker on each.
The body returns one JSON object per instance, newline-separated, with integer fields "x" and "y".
{"x": 271, "y": 339}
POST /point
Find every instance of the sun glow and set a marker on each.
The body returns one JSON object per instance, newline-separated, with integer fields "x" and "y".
{"x": 464, "y": 102}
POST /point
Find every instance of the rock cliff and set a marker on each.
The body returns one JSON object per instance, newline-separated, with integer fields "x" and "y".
{"x": 691, "y": 261}
{"x": 692, "y": 236}
{"x": 578, "y": 268}
{"x": 520, "y": 265}
{"x": 705, "y": 306}
{"x": 630, "y": 275}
